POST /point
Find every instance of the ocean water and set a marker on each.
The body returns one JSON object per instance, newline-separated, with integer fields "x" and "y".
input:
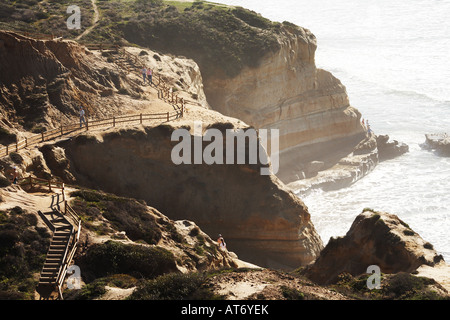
{"x": 394, "y": 59}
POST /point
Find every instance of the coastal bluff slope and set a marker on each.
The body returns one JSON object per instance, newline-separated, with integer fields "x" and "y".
{"x": 288, "y": 92}
{"x": 262, "y": 220}
{"x": 264, "y": 73}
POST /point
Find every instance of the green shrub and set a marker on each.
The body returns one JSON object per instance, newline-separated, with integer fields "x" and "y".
{"x": 23, "y": 247}
{"x": 124, "y": 214}
{"x": 252, "y": 18}
{"x": 6, "y": 137}
{"x": 403, "y": 284}
{"x": 114, "y": 257}
{"x": 292, "y": 293}
{"x": 92, "y": 290}
{"x": 174, "y": 286}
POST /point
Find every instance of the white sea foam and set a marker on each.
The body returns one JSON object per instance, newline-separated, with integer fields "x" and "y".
{"x": 392, "y": 56}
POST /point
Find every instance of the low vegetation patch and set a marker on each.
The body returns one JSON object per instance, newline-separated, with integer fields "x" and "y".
{"x": 175, "y": 286}
{"x": 219, "y": 38}
{"x": 124, "y": 214}
{"x": 97, "y": 287}
{"x": 114, "y": 257}
{"x": 23, "y": 247}
{"x": 399, "y": 286}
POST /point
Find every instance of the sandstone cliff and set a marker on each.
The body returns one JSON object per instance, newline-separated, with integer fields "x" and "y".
{"x": 261, "y": 220}
{"x": 375, "y": 238}
{"x": 263, "y": 73}
{"x": 44, "y": 82}
{"x": 308, "y": 105}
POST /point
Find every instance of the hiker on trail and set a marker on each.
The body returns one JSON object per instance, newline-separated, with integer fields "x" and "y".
{"x": 14, "y": 175}
{"x": 221, "y": 243}
{"x": 144, "y": 73}
{"x": 149, "y": 75}
{"x": 82, "y": 119}
{"x": 369, "y": 131}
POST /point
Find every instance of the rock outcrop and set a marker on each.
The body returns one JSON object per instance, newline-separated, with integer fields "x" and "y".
{"x": 390, "y": 149}
{"x": 287, "y": 92}
{"x": 43, "y": 82}
{"x": 375, "y": 238}
{"x": 260, "y": 218}
{"x": 350, "y": 168}
{"x": 438, "y": 142}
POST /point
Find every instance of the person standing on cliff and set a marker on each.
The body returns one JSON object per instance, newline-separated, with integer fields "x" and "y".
{"x": 149, "y": 76}
{"x": 82, "y": 119}
{"x": 144, "y": 73}
{"x": 369, "y": 131}
{"x": 15, "y": 175}
{"x": 221, "y": 243}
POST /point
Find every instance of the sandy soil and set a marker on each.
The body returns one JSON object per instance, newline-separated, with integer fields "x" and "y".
{"x": 267, "y": 284}
{"x": 440, "y": 273}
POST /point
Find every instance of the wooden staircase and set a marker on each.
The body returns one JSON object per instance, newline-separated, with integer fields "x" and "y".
{"x": 66, "y": 229}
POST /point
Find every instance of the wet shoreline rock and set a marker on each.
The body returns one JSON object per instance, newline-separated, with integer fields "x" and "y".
{"x": 437, "y": 142}
{"x": 349, "y": 169}
{"x": 390, "y": 149}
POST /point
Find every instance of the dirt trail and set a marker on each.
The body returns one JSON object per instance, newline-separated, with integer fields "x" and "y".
{"x": 94, "y": 22}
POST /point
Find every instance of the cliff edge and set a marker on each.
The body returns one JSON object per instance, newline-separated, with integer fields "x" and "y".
{"x": 261, "y": 219}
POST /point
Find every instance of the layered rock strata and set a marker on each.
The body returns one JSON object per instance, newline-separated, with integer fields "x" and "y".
{"x": 42, "y": 83}
{"x": 288, "y": 92}
{"x": 351, "y": 167}
{"x": 260, "y": 218}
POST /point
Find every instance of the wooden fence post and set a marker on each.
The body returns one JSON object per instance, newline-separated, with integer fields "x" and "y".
{"x": 114, "y": 121}
{"x": 87, "y": 124}
{"x": 42, "y": 135}
{"x": 167, "y": 115}
{"x": 140, "y": 118}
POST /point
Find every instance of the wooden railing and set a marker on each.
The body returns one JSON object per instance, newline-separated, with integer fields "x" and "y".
{"x": 165, "y": 92}
{"x": 101, "y": 46}
{"x": 35, "y": 35}
{"x": 44, "y": 183}
{"x": 71, "y": 246}
{"x": 75, "y": 128}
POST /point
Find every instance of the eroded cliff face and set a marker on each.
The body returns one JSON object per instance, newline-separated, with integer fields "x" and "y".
{"x": 375, "y": 238}
{"x": 42, "y": 83}
{"x": 261, "y": 220}
{"x": 308, "y": 105}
